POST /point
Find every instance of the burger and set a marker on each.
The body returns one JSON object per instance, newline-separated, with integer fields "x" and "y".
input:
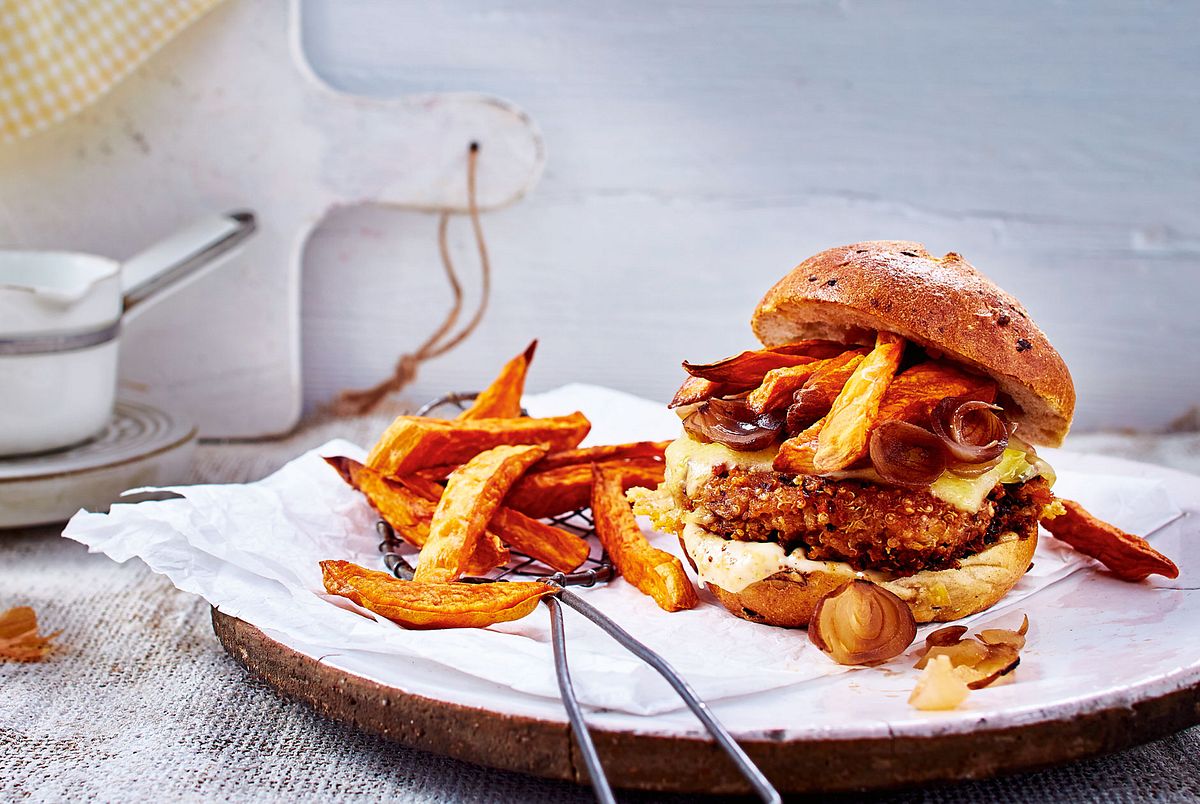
{"x": 886, "y": 432}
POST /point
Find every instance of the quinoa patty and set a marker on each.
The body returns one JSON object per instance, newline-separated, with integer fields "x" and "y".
{"x": 865, "y": 524}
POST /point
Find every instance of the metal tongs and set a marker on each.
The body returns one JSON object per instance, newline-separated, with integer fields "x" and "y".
{"x": 600, "y": 572}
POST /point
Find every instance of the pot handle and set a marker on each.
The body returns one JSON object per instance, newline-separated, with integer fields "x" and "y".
{"x": 183, "y": 254}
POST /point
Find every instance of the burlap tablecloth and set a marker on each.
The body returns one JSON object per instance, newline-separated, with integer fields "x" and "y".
{"x": 143, "y": 704}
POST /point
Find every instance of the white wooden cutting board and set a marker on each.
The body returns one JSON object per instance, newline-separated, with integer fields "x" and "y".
{"x": 230, "y": 116}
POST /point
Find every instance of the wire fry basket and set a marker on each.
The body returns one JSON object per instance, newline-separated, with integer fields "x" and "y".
{"x": 596, "y": 569}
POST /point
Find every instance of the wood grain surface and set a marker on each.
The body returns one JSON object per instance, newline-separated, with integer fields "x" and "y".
{"x": 698, "y": 150}
{"x": 656, "y": 762}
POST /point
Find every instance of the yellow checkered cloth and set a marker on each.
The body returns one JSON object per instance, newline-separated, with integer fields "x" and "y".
{"x": 58, "y": 56}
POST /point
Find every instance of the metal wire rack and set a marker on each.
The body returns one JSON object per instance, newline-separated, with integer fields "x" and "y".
{"x": 595, "y": 570}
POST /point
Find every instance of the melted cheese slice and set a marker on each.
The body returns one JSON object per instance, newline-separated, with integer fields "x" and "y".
{"x": 690, "y": 463}
{"x": 968, "y": 493}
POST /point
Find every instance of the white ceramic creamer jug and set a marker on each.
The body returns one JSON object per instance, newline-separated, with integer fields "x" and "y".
{"x": 60, "y": 326}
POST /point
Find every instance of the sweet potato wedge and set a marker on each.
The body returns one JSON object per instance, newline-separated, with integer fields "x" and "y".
{"x": 567, "y": 488}
{"x": 1129, "y": 557}
{"x": 914, "y": 392}
{"x": 843, "y": 438}
{"x": 796, "y": 455}
{"x": 422, "y": 605}
{"x": 815, "y": 399}
{"x": 502, "y": 399}
{"x": 608, "y": 452}
{"x": 416, "y": 442}
{"x": 407, "y": 513}
{"x": 473, "y": 493}
{"x": 780, "y": 385}
{"x": 655, "y": 573}
{"x": 552, "y": 546}
{"x": 745, "y": 370}
{"x": 696, "y": 389}
{"x": 410, "y": 513}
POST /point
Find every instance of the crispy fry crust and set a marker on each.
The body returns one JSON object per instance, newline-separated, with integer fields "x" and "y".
{"x": 654, "y": 572}
{"x": 780, "y": 385}
{"x": 552, "y": 546}
{"x": 915, "y": 392}
{"x": 609, "y": 452}
{"x": 1129, "y": 557}
{"x": 696, "y": 389}
{"x": 746, "y": 369}
{"x": 410, "y": 512}
{"x": 418, "y": 605}
{"x": 567, "y": 488}
{"x": 795, "y": 456}
{"x": 473, "y": 493}
{"x": 416, "y": 442}
{"x": 502, "y": 399}
{"x": 843, "y": 438}
{"x": 816, "y": 396}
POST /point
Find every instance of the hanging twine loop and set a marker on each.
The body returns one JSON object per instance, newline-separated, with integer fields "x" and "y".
{"x": 360, "y": 402}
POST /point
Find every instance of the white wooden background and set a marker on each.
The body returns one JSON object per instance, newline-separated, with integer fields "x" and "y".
{"x": 697, "y": 150}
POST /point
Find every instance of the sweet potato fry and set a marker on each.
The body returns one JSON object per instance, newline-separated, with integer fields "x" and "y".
{"x": 780, "y": 385}
{"x": 816, "y": 397}
{"x": 745, "y": 370}
{"x": 418, "y": 605}
{"x": 795, "y": 456}
{"x": 915, "y": 392}
{"x": 697, "y": 389}
{"x": 473, "y": 493}
{"x": 1129, "y": 557}
{"x": 843, "y": 438}
{"x": 414, "y": 442}
{"x": 502, "y": 399}
{"x": 423, "y": 486}
{"x": 409, "y": 512}
{"x": 657, "y": 574}
{"x": 608, "y": 452}
{"x": 438, "y": 473}
{"x": 817, "y": 348}
{"x": 552, "y": 546}
{"x": 561, "y": 490}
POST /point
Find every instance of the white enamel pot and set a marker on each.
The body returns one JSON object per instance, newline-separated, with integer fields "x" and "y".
{"x": 60, "y": 326}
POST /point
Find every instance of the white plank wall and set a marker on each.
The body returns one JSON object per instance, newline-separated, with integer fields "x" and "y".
{"x": 699, "y": 150}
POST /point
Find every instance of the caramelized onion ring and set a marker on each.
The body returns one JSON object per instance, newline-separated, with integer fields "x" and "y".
{"x": 731, "y": 422}
{"x": 860, "y": 623}
{"x": 970, "y": 429}
{"x": 907, "y": 455}
{"x": 808, "y": 405}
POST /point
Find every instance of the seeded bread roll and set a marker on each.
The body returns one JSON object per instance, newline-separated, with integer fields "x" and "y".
{"x": 940, "y": 303}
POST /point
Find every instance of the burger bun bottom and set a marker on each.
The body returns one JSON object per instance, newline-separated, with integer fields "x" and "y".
{"x": 788, "y": 598}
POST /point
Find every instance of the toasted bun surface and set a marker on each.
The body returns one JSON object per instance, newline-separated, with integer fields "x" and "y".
{"x": 939, "y": 303}
{"x": 788, "y": 598}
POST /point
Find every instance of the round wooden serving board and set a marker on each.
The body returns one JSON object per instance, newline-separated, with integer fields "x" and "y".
{"x": 687, "y": 764}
